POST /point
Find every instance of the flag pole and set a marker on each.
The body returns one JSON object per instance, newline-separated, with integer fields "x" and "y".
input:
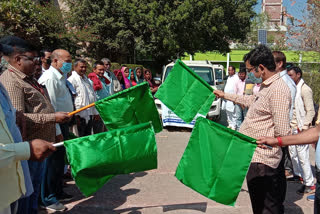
{"x": 81, "y": 109}
{"x": 58, "y": 144}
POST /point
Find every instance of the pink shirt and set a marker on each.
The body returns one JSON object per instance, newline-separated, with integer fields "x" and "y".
{"x": 239, "y": 86}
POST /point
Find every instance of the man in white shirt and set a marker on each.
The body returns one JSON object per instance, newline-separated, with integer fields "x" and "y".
{"x": 55, "y": 82}
{"x": 85, "y": 96}
{"x": 303, "y": 114}
{"x": 286, "y": 163}
{"x": 45, "y": 59}
{"x": 239, "y": 90}
{"x": 228, "y": 105}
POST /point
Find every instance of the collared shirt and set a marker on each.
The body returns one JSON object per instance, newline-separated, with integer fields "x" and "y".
{"x": 307, "y": 97}
{"x": 230, "y": 88}
{"x": 104, "y": 92}
{"x": 28, "y": 97}
{"x": 239, "y": 86}
{"x": 292, "y": 86}
{"x": 268, "y": 115}
{"x": 59, "y": 94}
{"x": 14, "y": 172}
{"x": 111, "y": 77}
{"x": 85, "y": 94}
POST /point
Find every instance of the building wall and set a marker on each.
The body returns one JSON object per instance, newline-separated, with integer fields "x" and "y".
{"x": 276, "y": 12}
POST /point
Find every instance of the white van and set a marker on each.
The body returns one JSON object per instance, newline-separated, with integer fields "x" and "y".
{"x": 213, "y": 74}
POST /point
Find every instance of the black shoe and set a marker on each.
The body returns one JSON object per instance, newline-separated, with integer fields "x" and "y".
{"x": 64, "y": 197}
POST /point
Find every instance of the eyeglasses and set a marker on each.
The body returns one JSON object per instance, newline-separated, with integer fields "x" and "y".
{"x": 248, "y": 70}
{"x": 35, "y": 59}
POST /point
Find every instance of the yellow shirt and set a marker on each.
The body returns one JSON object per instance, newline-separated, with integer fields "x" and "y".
{"x": 12, "y": 184}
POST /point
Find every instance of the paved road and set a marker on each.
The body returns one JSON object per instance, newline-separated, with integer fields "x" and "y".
{"x": 158, "y": 191}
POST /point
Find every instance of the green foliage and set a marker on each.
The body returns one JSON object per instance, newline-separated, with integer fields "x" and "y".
{"x": 42, "y": 25}
{"x": 160, "y": 29}
{"x": 312, "y": 79}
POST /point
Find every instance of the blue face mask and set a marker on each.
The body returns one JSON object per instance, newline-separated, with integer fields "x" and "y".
{"x": 66, "y": 67}
{"x": 253, "y": 78}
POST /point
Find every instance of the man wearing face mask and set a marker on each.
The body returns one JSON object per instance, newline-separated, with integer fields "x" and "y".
{"x": 268, "y": 115}
{"x": 55, "y": 82}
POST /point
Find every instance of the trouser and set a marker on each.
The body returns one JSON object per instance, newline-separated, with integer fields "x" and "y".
{"x": 317, "y": 194}
{"x": 84, "y": 127}
{"x": 301, "y": 164}
{"x": 239, "y": 116}
{"x": 264, "y": 184}
{"x": 51, "y": 186}
{"x": 282, "y": 177}
{"x": 98, "y": 126}
{"x": 29, "y": 205}
{"x": 231, "y": 118}
{"x": 287, "y": 159}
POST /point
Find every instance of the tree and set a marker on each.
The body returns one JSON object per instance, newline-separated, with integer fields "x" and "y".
{"x": 305, "y": 34}
{"x": 161, "y": 29}
{"x": 42, "y": 25}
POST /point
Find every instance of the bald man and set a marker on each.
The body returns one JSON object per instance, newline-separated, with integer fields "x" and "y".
{"x": 54, "y": 80}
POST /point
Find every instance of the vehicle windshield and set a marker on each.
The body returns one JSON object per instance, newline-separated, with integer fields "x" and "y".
{"x": 204, "y": 72}
{"x": 218, "y": 73}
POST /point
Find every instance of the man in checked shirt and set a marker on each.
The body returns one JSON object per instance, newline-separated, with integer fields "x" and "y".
{"x": 268, "y": 115}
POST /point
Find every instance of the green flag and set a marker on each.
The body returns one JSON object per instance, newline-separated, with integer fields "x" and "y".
{"x": 185, "y": 93}
{"x": 129, "y": 107}
{"x": 97, "y": 158}
{"x": 216, "y": 161}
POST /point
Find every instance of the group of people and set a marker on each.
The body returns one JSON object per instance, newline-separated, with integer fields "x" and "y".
{"x": 38, "y": 91}
{"x": 267, "y": 101}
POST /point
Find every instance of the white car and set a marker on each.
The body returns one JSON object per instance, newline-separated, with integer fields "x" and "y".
{"x": 213, "y": 74}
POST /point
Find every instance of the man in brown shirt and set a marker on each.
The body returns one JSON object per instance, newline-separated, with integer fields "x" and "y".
{"x": 29, "y": 98}
{"x": 268, "y": 115}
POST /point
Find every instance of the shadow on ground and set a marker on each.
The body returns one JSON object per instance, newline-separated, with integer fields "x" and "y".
{"x": 108, "y": 198}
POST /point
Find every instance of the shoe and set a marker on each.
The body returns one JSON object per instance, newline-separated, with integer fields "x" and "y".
{"x": 56, "y": 207}
{"x": 311, "y": 197}
{"x": 64, "y": 197}
{"x": 306, "y": 189}
{"x": 295, "y": 179}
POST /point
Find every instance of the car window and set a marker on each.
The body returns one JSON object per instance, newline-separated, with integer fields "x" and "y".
{"x": 204, "y": 72}
{"x": 218, "y": 72}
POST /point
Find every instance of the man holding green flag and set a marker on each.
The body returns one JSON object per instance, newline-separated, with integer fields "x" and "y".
{"x": 268, "y": 115}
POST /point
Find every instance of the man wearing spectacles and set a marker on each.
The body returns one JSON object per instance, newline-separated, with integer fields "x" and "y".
{"x": 268, "y": 115}
{"x": 29, "y": 98}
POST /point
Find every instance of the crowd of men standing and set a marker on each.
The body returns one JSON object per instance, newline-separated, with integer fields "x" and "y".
{"x": 272, "y": 101}
{"x": 38, "y": 91}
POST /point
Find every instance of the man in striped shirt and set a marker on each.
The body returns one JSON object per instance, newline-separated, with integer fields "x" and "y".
{"x": 268, "y": 115}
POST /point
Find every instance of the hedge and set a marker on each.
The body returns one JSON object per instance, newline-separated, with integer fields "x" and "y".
{"x": 313, "y": 80}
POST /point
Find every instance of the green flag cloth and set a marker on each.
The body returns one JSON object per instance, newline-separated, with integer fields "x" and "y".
{"x": 129, "y": 107}
{"x": 97, "y": 158}
{"x": 216, "y": 161}
{"x": 185, "y": 93}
